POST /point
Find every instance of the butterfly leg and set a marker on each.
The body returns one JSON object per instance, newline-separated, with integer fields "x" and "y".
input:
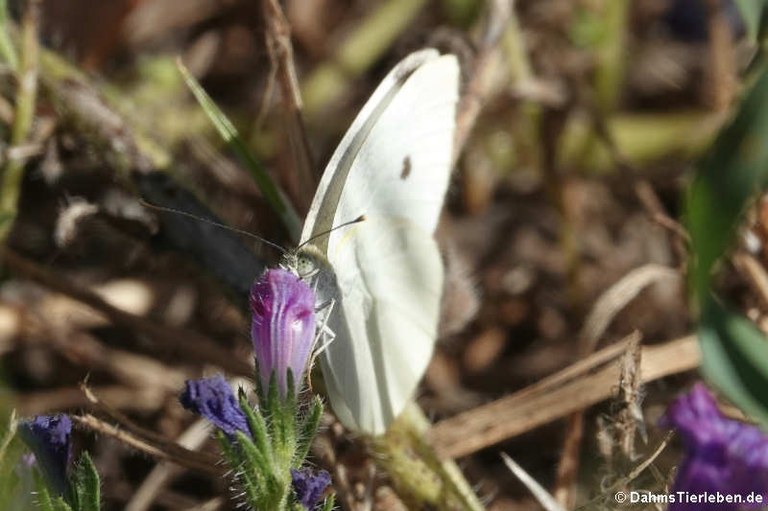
{"x": 323, "y": 333}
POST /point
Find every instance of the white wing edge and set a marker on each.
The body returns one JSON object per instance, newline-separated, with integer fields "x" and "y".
{"x": 320, "y": 217}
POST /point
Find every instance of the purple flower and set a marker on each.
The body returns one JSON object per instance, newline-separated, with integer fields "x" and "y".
{"x": 48, "y": 437}
{"x": 309, "y": 486}
{"x": 721, "y": 454}
{"x": 283, "y": 327}
{"x": 213, "y": 399}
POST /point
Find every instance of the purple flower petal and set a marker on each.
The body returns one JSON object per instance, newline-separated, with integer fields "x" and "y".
{"x": 721, "y": 454}
{"x": 309, "y": 486}
{"x": 213, "y": 399}
{"x": 283, "y": 327}
{"x": 49, "y": 439}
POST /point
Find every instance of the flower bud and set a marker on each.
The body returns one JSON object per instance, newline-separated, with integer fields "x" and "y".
{"x": 48, "y": 436}
{"x": 309, "y": 486}
{"x": 213, "y": 399}
{"x": 282, "y": 328}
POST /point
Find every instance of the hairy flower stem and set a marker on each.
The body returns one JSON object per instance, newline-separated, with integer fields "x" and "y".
{"x": 421, "y": 479}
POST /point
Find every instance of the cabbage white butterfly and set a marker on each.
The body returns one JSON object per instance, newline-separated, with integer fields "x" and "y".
{"x": 382, "y": 278}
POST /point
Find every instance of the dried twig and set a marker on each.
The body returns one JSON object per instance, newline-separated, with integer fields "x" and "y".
{"x": 610, "y": 303}
{"x": 616, "y": 298}
{"x": 579, "y": 386}
{"x": 633, "y": 474}
{"x": 721, "y": 68}
{"x": 125, "y": 423}
{"x": 278, "y": 36}
{"x": 190, "y": 459}
{"x": 483, "y": 74}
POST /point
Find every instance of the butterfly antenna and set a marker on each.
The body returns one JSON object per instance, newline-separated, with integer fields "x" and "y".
{"x": 213, "y": 222}
{"x": 357, "y": 220}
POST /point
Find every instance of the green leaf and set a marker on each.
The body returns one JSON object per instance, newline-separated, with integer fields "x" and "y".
{"x": 272, "y": 398}
{"x": 270, "y": 484}
{"x": 272, "y": 405}
{"x": 228, "y": 450}
{"x": 233, "y": 458}
{"x": 733, "y": 171}
{"x": 307, "y": 431}
{"x": 44, "y": 500}
{"x": 258, "y": 428}
{"x": 250, "y": 474}
{"x": 735, "y": 352}
{"x": 60, "y": 504}
{"x": 250, "y": 458}
{"x": 753, "y": 14}
{"x": 735, "y": 358}
{"x": 274, "y": 195}
{"x": 86, "y": 485}
{"x": 18, "y": 482}
{"x": 288, "y": 416}
{"x": 329, "y": 503}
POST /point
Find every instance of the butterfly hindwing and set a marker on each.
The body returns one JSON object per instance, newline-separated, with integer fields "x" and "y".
{"x": 397, "y": 297}
{"x": 393, "y": 167}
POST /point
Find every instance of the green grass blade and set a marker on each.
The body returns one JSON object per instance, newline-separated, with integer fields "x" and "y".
{"x": 735, "y": 358}
{"x": 753, "y": 14}
{"x": 735, "y": 352}
{"x": 728, "y": 177}
{"x": 273, "y": 194}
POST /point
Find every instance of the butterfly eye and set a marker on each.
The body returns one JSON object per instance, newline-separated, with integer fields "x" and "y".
{"x": 305, "y": 267}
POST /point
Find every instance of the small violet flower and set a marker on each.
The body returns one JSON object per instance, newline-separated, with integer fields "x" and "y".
{"x": 721, "y": 454}
{"x": 48, "y": 437}
{"x": 282, "y": 328}
{"x": 309, "y": 486}
{"x": 213, "y": 399}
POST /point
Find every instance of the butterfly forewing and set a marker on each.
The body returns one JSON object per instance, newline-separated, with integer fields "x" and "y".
{"x": 393, "y": 166}
{"x": 398, "y": 148}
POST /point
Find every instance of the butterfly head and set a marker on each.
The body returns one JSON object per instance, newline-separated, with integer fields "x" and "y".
{"x": 304, "y": 262}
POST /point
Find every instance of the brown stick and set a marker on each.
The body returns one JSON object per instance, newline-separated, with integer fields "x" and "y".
{"x": 280, "y": 49}
{"x": 576, "y": 387}
{"x": 192, "y": 460}
{"x": 486, "y": 65}
{"x": 721, "y": 68}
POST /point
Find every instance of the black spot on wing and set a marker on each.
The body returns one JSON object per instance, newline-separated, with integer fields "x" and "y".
{"x": 406, "y": 168}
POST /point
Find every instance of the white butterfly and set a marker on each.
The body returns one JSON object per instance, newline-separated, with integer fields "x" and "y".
{"x": 383, "y": 277}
